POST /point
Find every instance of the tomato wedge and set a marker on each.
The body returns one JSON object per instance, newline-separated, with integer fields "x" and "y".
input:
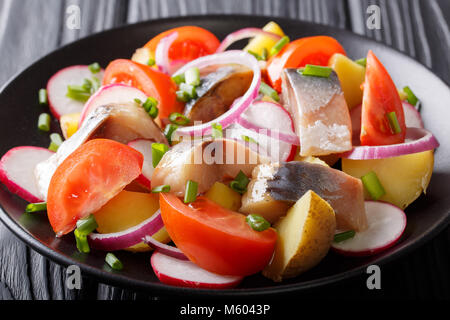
{"x": 380, "y": 97}
{"x": 192, "y": 42}
{"x": 215, "y": 238}
{"x": 87, "y": 179}
{"x": 152, "y": 82}
{"x": 311, "y": 50}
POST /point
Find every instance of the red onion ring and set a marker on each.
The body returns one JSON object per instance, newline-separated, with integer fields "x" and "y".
{"x": 162, "y": 55}
{"x": 231, "y": 116}
{"x": 164, "y": 248}
{"x": 243, "y": 34}
{"x": 417, "y": 140}
{"x": 127, "y": 238}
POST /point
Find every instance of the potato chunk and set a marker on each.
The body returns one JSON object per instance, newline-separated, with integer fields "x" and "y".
{"x": 304, "y": 237}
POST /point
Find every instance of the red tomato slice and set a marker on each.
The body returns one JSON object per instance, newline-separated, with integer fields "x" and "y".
{"x": 192, "y": 42}
{"x": 311, "y": 50}
{"x": 379, "y": 98}
{"x": 152, "y": 82}
{"x": 215, "y": 238}
{"x": 87, "y": 179}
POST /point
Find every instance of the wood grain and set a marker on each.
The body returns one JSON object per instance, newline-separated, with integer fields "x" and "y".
{"x": 30, "y": 29}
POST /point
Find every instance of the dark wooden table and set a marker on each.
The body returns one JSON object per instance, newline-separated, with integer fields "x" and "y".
{"x": 30, "y": 29}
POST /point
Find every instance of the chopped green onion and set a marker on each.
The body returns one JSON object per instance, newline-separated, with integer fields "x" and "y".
{"x": 87, "y": 225}
{"x": 264, "y": 54}
{"x": 169, "y": 130}
{"x": 36, "y": 207}
{"x": 55, "y": 142}
{"x": 151, "y": 62}
{"x": 44, "y": 122}
{"x": 216, "y": 131}
{"x": 257, "y": 56}
{"x": 249, "y": 139}
{"x": 87, "y": 85}
{"x": 191, "y": 191}
{"x": 361, "y": 62}
{"x": 43, "y": 100}
{"x": 163, "y": 188}
{"x": 373, "y": 185}
{"x": 239, "y": 184}
{"x": 138, "y": 101}
{"x": 316, "y": 71}
{"x": 189, "y": 89}
{"x": 179, "y": 119}
{"x": 149, "y": 103}
{"x": 78, "y": 93}
{"x": 153, "y": 112}
{"x": 113, "y": 261}
{"x": 158, "y": 151}
{"x": 192, "y": 76}
{"x": 95, "y": 67}
{"x": 279, "y": 45}
{"x": 183, "y": 96}
{"x": 82, "y": 243}
{"x": 257, "y": 222}
{"x": 179, "y": 79}
{"x": 393, "y": 122}
{"x": 95, "y": 84}
{"x": 267, "y": 90}
{"x": 411, "y": 97}
{"x": 339, "y": 237}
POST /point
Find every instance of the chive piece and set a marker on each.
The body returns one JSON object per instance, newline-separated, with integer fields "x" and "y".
{"x": 264, "y": 54}
{"x": 192, "y": 76}
{"x": 339, "y": 237}
{"x": 179, "y": 119}
{"x": 257, "y": 222}
{"x": 113, "y": 261}
{"x": 36, "y": 207}
{"x": 411, "y": 97}
{"x": 178, "y": 79}
{"x": 169, "y": 130}
{"x": 216, "y": 131}
{"x": 279, "y": 45}
{"x": 163, "y": 188}
{"x": 373, "y": 185}
{"x": 95, "y": 67}
{"x": 257, "y": 56}
{"x": 55, "y": 142}
{"x": 44, "y": 122}
{"x": 82, "y": 243}
{"x": 189, "y": 89}
{"x": 77, "y": 93}
{"x": 317, "y": 71}
{"x": 151, "y": 62}
{"x": 393, "y": 122}
{"x": 158, "y": 151}
{"x": 183, "y": 96}
{"x": 87, "y": 225}
{"x": 361, "y": 62}
{"x": 267, "y": 90}
{"x": 43, "y": 99}
{"x": 191, "y": 191}
{"x": 239, "y": 184}
{"x": 248, "y": 139}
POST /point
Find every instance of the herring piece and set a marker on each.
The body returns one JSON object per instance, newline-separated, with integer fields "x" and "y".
{"x": 321, "y": 116}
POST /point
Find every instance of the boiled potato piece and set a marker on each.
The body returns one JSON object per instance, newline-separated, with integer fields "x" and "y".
{"x": 304, "y": 237}
{"x": 69, "y": 124}
{"x": 351, "y": 75}
{"x": 403, "y": 178}
{"x": 224, "y": 196}
{"x": 126, "y": 210}
{"x": 258, "y": 43}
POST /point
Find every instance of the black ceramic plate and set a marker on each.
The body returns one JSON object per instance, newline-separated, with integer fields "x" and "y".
{"x": 19, "y": 112}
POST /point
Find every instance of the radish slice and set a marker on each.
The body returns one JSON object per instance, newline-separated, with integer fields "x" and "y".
{"x": 182, "y": 273}
{"x": 113, "y": 93}
{"x": 145, "y": 147}
{"x": 17, "y": 171}
{"x": 417, "y": 140}
{"x": 127, "y": 238}
{"x": 386, "y": 225}
{"x": 171, "y": 251}
{"x": 57, "y": 89}
{"x": 244, "y": 34}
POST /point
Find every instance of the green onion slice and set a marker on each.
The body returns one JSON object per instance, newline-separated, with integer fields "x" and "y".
{"x": 257, "y": 222}
{"x": 179, "y": 119}
{"x": 44, "y": 122}
{"x": 169, "y": 131}
{"x": 216, "y": 131}
{"x": 43, "y": 99}
{"x": 36, "y": 207}
{"x": 279, "y": 45}
{"x": 248, "y": 139}
{"x": 151, "y": 62}
{"x": 393, "y": 122}
{"x": 87, "y": 225}
{"x": 158, "y": 151}
{"x": 95, "y": 67}
{"x": 411, "y": 97}
{"x": 113, "y": 261}
{"x": 240, "y": 182}
{"x": 264, "y": 54}
{"x": 373, "y": 185}
{"x": 267, "y": 90}
{"x": 183, "y": 96}
{"x": 189, "y": 89}
{"x": 55, "y": 142}
{"x": 82, "y": 242}
{"x": 339, "y": 237}
{"x": 178, "y": 79}
{"x": 192, "y": 76}
{"x": 191, "y": 191}
{"x": 163, "y": 188}
{"x": 316, "y": 71}
{"x": 257, "y": 56}
{"x": 362, "y": 62}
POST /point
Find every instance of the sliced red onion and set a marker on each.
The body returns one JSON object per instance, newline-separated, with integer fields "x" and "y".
{"x": 162, "y": 55}
{"x": 417, "y": 140}
{"x": 232, "y": 115}
{"x": 164, "y": 248}
{"x": 127, "y": 238}
{"x": 244, "y": 34}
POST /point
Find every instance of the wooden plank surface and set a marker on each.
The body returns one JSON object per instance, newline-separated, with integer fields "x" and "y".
{"x": 30, "y": 29}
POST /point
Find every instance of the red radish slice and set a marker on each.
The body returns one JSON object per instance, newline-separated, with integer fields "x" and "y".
{"x": 127, "y": 238}
{"x": 182, "y": 273}
{"x": 244, "y": 34}
{"x": 113, "y": 93}
{"x": 17, "y": 171}
{"x": 164, "y": 248}
{"x": 57, "y": 89}
{"x": 145, "y": 147}
{"x": 386, "y": 225}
